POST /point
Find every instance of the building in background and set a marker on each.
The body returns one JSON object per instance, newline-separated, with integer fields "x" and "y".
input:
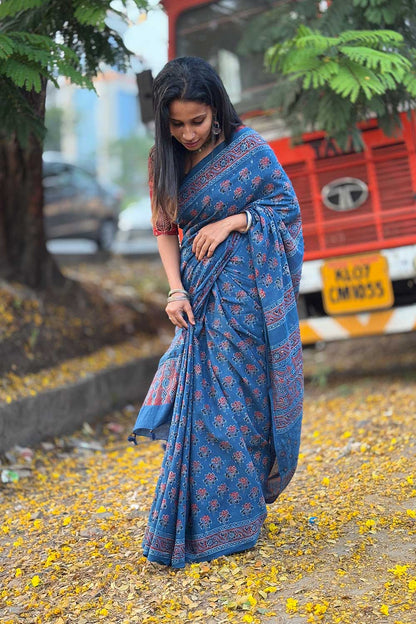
{"x": 104, "y": 131}
{"x": 91, "y": 123}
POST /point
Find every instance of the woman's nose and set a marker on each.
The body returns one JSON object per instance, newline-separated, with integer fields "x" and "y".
{"x": 188, "y": 134}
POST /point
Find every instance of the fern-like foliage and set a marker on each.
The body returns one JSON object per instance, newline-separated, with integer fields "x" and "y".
{"x": 25, "y": 58}
{"x": 352, "y": 65}
{"x": 378, "y": 11}
{"x": 13, "y": 105}
{"x": 10, "y": 8}
{"x": 91, "y": 14}
{"x": 345, "y": 62}
{"x": 41, "y": 39}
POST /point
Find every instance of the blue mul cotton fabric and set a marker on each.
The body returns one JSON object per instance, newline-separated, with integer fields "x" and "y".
{"x": 228, "y": 393}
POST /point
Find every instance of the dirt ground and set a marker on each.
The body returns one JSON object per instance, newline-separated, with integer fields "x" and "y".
{"x": 105, "y": 303}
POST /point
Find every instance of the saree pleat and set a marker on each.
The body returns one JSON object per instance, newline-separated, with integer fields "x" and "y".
{"x": 227, "y": 395}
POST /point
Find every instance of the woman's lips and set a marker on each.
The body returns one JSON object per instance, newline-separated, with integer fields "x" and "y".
{"x": 191, "y": 145}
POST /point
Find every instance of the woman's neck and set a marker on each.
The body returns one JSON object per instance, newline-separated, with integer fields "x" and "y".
{"x": 193, "y": 158}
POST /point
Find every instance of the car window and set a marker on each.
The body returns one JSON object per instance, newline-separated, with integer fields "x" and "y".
{"x": 57, "y": 182}
{"x": 84, "y": 182}
{"x": 53, "y": 168}
{"x": 54, "y": 176}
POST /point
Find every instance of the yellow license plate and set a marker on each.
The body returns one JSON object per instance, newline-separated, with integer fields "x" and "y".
{"x": 356, "y": 284}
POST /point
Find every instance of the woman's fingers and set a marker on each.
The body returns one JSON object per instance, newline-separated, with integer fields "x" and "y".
{"x": 189, "y": 313}
{"x": 176, "y": 317}
{"x": 209, "y": 237}
{"x": 204, "y": 246}
{"x": 177, "y": 310}
{"x": 199, "y": 242}
{"x": 203, "y": 250}
{"x": 180, "y": 322}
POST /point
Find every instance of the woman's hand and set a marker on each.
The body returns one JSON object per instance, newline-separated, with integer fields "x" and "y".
{"x": 211, "y": 235}
{"x": 176, "y": 310}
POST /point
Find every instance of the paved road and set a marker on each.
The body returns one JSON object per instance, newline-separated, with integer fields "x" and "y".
{"x": 83, "y": 249}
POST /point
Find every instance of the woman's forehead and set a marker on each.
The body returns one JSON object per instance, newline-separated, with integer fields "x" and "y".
{"x": 187, "y": 109}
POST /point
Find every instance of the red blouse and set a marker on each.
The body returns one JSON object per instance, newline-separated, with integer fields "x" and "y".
{"x": 163, "y": 225}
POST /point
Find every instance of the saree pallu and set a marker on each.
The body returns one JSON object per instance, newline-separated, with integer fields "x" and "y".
{"x": 228, "y": 393}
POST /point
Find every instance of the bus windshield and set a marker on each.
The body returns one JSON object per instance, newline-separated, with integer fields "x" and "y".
{"x": 213, "y": 31}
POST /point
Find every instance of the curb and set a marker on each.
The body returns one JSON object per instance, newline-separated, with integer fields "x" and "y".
{"x": 62, "y": 410}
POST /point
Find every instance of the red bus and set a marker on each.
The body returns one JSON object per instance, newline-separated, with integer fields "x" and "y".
{"x": 358, "y": 209}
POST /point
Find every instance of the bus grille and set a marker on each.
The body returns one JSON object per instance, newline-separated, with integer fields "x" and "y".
{"x": 386, "y": 219}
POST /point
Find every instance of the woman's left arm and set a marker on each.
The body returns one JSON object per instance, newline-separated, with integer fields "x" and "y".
{"x": 211, "y": 235}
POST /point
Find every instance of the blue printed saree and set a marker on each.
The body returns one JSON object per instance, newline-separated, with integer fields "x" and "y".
{"x": 228, "y": 393}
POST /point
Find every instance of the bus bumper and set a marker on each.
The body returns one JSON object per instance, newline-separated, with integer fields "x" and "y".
{"x": 327, "y": 328}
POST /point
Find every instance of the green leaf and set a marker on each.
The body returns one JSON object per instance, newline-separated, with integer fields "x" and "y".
{"x": 299, "y": 61}
{"x": 6, "y": 46}
{"x": 93, "y": 15}
{"x": 22, "y": 74}
{"x": 352, "y": 79}
{"x": 317, "y": 42}
{"x": 9, "y": 8}
{"x": 409, "y": 82}
{"x": 320, "y": 75}
{"x": 374, "y": 59}
{"x": 16, "y": 114}
{"x": 370, "y": 37}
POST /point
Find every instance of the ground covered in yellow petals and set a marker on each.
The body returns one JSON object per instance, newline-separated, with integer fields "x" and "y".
{"x": 339, "y": 546}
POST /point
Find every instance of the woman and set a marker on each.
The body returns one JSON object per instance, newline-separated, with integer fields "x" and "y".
{"x": 227, "y": 395}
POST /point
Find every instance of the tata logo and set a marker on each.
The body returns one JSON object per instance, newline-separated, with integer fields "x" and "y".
{"x": 344, "y": 194}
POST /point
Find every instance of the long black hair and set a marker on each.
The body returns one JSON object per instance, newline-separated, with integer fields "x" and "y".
{"x": 185, "y": 78}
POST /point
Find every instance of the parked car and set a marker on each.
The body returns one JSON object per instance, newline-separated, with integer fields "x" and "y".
{"x": 136, "y": 219}
{"x": 135, "y": 235}
{"x": 76, "y": 205}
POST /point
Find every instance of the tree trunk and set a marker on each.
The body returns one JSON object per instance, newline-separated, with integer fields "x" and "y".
{"x": 23, "y": 253}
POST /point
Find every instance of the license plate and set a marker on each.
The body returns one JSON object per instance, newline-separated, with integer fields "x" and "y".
{"x": 356, "y": 284}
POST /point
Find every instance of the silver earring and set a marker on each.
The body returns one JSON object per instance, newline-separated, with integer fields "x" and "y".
{"x": 216, "y": 128}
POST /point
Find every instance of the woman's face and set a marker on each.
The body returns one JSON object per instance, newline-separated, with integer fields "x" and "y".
{"x": 190, "y": 123}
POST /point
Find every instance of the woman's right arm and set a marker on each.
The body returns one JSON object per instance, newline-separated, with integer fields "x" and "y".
{"x": 168, "y": 246}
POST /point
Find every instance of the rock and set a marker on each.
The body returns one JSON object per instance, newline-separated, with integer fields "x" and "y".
{"x": 93, "y": 445}
{"x": 16, "y": 610}
{"x": 24, "y": 452}
{"x": 91, "y": 532}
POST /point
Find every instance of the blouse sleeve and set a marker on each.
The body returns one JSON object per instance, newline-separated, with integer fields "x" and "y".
{"x": 163, "y": 225}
